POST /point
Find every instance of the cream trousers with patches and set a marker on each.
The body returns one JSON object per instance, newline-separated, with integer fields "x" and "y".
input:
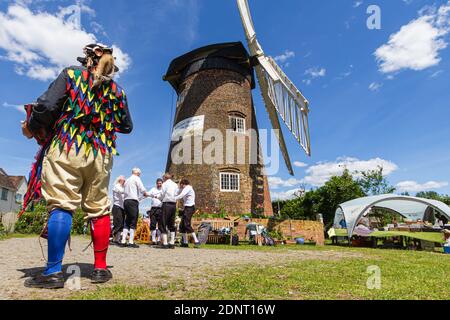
{"x": 71, "y": 181}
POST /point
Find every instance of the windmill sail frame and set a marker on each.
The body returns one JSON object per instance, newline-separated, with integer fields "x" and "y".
{"x": 281, "y": 96}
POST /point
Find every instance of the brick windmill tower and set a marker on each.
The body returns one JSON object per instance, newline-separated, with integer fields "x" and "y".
{"x": 215, "y": 141}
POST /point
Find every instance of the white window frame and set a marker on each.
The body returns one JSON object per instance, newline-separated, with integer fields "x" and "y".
{"x": 230, "y": 174}
{"x": 234, "y": 122}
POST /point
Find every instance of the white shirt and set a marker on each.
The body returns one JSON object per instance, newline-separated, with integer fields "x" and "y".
{"x": 155, "y": 192}
{"x": 188, "y": 196}
{"x": 118, "y": 195}
{"x": 169, "y": 191}
{"x": 134, "y": 188}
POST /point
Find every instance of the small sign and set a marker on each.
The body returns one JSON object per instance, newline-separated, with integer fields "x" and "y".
{"x": 189, "y": 127}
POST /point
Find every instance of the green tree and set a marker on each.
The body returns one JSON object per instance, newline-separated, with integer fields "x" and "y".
{"x": 336, "y": 191}
{"x": 373, "y": 182}
{"x": 434, "y": 196}
{"x": 324, "y": 200}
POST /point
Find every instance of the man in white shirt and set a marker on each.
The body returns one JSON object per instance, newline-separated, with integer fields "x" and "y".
{"x": 134, "y": 192}
{"x": 168, "y": 195}
{"x": 155, "y": 213}
{"x": 118, "y": 211}
{"x": 187, "y": 195}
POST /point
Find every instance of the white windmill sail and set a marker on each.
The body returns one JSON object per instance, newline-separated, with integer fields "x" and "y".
{"x": 280, "y": 95}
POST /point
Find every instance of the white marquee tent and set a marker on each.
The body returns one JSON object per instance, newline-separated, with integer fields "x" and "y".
{"x": 409, "y": 207}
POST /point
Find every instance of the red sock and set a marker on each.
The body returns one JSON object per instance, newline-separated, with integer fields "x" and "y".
{"x": 100, "y": 231}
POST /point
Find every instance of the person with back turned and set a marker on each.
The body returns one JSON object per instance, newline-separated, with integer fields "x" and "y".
{"x": 76, "y": 122}
{"x": 168, "y": 195}
{"x": 134, "y": 192}
{"x": 187, "y": 195}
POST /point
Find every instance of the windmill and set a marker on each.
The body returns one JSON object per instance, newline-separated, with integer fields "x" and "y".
{"x": 214, "y": 86}
{"x": 281, "y": 96}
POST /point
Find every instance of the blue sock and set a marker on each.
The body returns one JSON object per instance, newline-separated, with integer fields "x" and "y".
{"x": 59, "y": 226}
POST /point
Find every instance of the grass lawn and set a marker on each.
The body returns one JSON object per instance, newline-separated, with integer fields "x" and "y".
{"x": 404, "y": 275}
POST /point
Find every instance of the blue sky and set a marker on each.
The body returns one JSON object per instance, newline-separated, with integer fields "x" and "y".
{"x": 377, "y": 96}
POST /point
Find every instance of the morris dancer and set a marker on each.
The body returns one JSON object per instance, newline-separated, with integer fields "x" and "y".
{"x": 134, "y": 192}
{"x": 118, "y": 211}
{"x": 187, "y": 194}
{"x": 156, "y": 210}
{"x": 79, "y": 116}
{"x": 168, "y": 197}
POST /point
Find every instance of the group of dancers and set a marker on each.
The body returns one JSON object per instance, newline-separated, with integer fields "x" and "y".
{"x": 128, "y": 193}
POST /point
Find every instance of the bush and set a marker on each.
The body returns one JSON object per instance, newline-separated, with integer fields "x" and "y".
{"x": 2, "y": 230}
{"x": 79, "y": 225}
{"x": 33, "y": 222}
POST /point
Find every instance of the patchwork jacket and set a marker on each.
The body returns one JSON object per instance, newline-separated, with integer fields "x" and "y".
{"x": 74, "y": 114}
{"x": 79, "y": 116}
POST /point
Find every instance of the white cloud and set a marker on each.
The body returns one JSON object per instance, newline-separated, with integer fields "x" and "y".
{"x": 284, "y": 195}
{"x": 299, "y": 164}
{"x": 418, "y": 44}
{"x": 320, "y": 173}
{"x": 14, "y": 106}
{"x": 316, "y": 72}
{"x": 277, "y": 182}
{"x": 283, "y": 58}
{"x": 375, "y": 86}
{"x": 436, "y": 74}
{"x": 357, "y": 4}
{"x": 413, "y": 186}
{"x": 41, "y": 43}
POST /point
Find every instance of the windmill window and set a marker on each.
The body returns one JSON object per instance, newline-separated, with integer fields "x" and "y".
{"x": 181, "y": 98}
{"x": 229, "y": 182}
{"x": 237, "y": 124}
{"x": 4, "y": 194}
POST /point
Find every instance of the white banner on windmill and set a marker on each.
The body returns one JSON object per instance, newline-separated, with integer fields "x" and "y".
{"x": 188, "y": 128}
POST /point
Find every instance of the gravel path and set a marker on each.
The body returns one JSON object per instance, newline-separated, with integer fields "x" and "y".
{"x": 22, "y": 258}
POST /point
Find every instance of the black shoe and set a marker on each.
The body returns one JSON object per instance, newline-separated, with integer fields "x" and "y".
{"x": 163, "y": 247}
{"x": 171, "y": 246}
{"x": 53, "y": 281}
{"x": 133, "y": 246}
{"x": 197, "y": 245}
{"x": 184, "y": 245}
{"x": 101, "y": 276}
{"x": 123, "y": 245}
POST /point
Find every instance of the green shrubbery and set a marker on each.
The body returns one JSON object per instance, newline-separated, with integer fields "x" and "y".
{"x": 2, "y": 230}
{"x": 33, "y": 222}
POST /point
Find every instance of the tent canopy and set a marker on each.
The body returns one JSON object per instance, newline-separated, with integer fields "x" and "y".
{"x": 409, "y": 207}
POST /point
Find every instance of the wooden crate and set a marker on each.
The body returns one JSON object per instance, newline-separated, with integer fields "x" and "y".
{"x": 219, "y": 239}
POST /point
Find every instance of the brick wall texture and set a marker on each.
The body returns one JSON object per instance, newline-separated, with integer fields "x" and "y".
{"x": 217, "y": 94}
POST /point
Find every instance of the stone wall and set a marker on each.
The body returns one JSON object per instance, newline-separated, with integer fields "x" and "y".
{"x": 9, "y": 221}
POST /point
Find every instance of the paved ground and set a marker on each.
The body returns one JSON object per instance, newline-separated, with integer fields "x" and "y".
{"x": 22, "y": 258}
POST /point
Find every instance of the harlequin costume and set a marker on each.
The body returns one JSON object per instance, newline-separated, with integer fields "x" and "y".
{"x": 73, "y": 168}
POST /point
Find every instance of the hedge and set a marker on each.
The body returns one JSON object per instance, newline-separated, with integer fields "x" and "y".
{"x": 32, "y": 222}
